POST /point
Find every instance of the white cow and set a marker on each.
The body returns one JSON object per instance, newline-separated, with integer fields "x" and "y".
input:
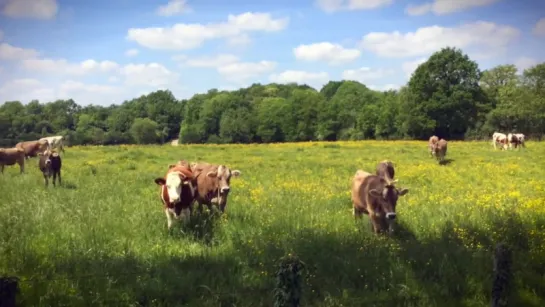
{"x": 54, "y": 142}
{"x": 499, "y": 138}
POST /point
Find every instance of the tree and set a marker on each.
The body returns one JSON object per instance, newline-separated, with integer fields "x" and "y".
{"x": 144, "y": 131}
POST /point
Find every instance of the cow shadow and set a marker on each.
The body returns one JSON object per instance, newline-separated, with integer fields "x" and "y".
{"x": 201, "y": 227}
{"x": 446, "y": 162}
{"x": 69, "y": 185}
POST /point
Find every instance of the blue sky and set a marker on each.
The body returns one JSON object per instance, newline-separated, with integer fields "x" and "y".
{"x": 103, "y": 52}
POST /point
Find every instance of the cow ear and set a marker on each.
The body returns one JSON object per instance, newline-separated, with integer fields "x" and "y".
{"x": 171, "y": 166}
{"x": 402, "y": 192}
{"x": 160, "y": 181}
{"x": 375, "y": 193}
{"x": 212, "y": 174}
{"x": 236, "y": 173}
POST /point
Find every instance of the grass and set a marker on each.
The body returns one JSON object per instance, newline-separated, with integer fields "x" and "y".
{"x": 101, "y": 239}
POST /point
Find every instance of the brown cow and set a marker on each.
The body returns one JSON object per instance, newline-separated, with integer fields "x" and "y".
{"x": 377, "y": 197}
{"x": 32, "y": 148}
{"x": 10, "y": 156}
{"x": 385, "y": 169}
{"x": 212, "y": 184}
{"x": 177, "y": 193}
{"x": 50, "y": 164}
{"x": 432, "y": 143}
{"x": 440, "y": 150}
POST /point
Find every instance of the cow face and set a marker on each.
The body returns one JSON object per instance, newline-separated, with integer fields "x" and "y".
{"x": 173, "y": 183}
{"x": 223, "y": 177}
{"x": 387, "y": 199}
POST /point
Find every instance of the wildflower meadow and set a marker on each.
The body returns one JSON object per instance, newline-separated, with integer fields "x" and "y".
{"x": 101, "y": 239}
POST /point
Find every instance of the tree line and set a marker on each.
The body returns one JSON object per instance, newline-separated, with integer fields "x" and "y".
{"x": 448, "y": 95}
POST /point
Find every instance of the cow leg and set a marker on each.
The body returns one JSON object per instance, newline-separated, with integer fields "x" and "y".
{"x": 356, "y": 213}
{"x": 22, "y": 167}
{"x": 375, "y": 221}
{"x": 2, "y": 167}
{"x": 185, "y": 215}
{"x": 169, "y": 218}
{"x": 59, "y": 174}
{"x": 54, "y": 179}
{"x": 222, "y": 207}
{"x": 46, "y": 181}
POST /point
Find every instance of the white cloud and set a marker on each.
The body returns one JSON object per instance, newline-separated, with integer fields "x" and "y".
{"x": 314, "y": 79}
{"x": 189, "y": 36}
{"x": 152, "y": 74}
{"x": 443, "y": 7}
{"x": 63, "y": 67}
{"x": 385, "y": 87}
{"x": 242, "y": 71}
{"x": 25, "y": 90}
{"x": 173, "y": 7}
{"x": 37, "y": 9}
{"x": 350, "y": 5}
{"x": 410, "y": 66}
{"x": 426, "y": 40}
{"x": 9, "y": 52}
{"x": 326, "y": 52}
{"x": 131, "y": 52}
{"x": 207, "y": 61}
{"x": 539, "y": 28}
{"x": 241, "y": 40}
{"x": 523, "y": 63}
{"x": 366, "y": 74}
{"x": 1, "y": 35}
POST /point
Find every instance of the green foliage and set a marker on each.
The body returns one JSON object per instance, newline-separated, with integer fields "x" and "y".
{"x": 144, "y": 131}
{"x": 447, "y": 96}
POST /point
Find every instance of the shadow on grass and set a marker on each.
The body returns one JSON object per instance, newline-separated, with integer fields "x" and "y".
{"x": 201, "y": 227}
{"x": 446, "y": 162}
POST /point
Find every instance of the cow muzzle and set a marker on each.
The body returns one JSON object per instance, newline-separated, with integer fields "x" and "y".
{"x": 225, "y": 190}
{"x": 47, "y": 162}
{"x": 391, "y": 215}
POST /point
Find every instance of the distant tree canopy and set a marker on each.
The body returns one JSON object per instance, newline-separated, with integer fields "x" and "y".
{"x": 447, "y": 96}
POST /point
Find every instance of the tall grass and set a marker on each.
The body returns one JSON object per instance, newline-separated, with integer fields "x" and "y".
{"x": 101, "y": 238}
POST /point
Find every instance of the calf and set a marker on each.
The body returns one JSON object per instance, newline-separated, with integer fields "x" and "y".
{"x": 212, "y": 184}
{"x": 386, "y": 169}
{"x": 441, "y": 150}
{"x": 377, "y": 197}
{"x": 177, "y": 193}
{"x": 499, "y": 138}
{"x": 50, "y": 164}
{"x": 10, "y": 156}
{"x": 32, "y": 148}
{"x": 432, "y": 143}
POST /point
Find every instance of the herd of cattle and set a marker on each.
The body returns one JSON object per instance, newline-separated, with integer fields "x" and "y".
{"x": 186, "y": 183}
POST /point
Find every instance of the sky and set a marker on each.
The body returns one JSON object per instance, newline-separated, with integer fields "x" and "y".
{"x": 104, "y": 52}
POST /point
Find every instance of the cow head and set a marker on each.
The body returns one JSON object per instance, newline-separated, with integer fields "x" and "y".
{"x": 47, "y": 155}
{"x": 387, "y": 198}
{"x": 223, "y": 177}
{"x": 173, "y": 181}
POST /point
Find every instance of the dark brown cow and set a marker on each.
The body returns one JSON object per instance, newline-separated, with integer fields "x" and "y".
{"x": 377, "y": 197}
{"x": 32, "y": 148}
{"x": 432, "y": 143}
{"x": 177, "y": 193}
{"x": 385, "y": 169}
{"x": 212, "y": 184}
{"x": 10, "y": 156}
{"x": 50, "y": 164}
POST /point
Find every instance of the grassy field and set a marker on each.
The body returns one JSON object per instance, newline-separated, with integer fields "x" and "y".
{"x": 101, "y": 239}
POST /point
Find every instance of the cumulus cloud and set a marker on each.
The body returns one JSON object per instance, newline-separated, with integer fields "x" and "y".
{"x": 326, "y": 52}
{"x": 63, "y": 67}
{"x": 35, "y": 9}
{"x": 173, "y": 7}
{"x": 443, "y": 7}
{"x": 410, "y": 66}
{"x": 131, "y": 52}
{"x": 426, "y": 40}
{"x": 314, "y": 79}
{"x": 152, "y": 74}
{"x": 206, "y": 60}
{"x": 242, "y": 71}
{"x": 385, "y": 87}
{"x": 189, "y": 36}
{"x": 523, "y": 63}
{"x": 366, "y": 74}
{"x": 12, "y": 53}
{"x": 539, "y": 28}
{"x": 350, "y": 5}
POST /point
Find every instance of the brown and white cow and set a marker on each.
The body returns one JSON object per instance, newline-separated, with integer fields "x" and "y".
{"x": 50, "y": 164}
{"x": 512, "y": 141}
{"x": 377, "y": 197}
{"x": 10, "y": 156}
{"x": 521, "y": 138}
{"x": 212, "y": 184}
{"x": 32, "y": 148}
{"x": 440, "y": 150}
{"x": 499, "y": 138}
{"x": 177, "y": 193}
{"x": 386, "y": 169}
{"x": 432, "y": 143}
{"x": 54, "y": 142}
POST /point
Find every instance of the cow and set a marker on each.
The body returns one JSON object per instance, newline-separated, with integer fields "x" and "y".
{"x": 499, "y": 138}
{"x": 432, "y": 143}
{"x": 10, "y": 156}
{"x": 212, "y": 184}
{"x": 385, "y": 169}
{"x": 50, "y": 164}
{"x": 512, "y": 141}
{"x": 177, "y": 192}
{"x": 521, "y": 138}
{"x": 55, "y": 142}
{"x": 32, "y": 148}
{"x": 377, "y": 197}
{"x": 440, "y": 150}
